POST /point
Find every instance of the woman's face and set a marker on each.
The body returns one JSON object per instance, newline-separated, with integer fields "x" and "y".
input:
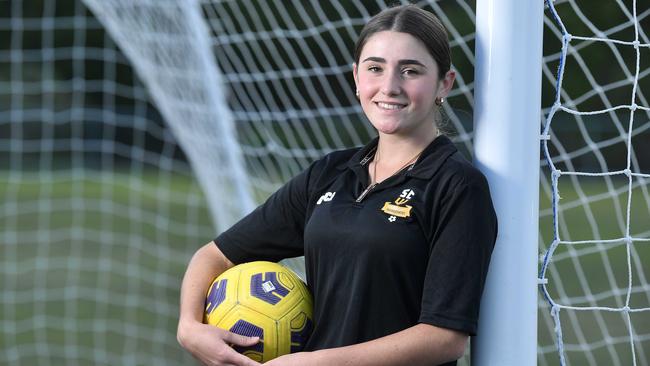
{"x": 398, "y": 83}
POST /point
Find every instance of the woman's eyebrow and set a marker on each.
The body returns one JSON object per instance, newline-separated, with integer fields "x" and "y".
{"x": 400, "y": 62}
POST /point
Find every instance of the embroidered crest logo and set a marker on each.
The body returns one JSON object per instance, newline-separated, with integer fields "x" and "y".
{"x": 399, "y": 208}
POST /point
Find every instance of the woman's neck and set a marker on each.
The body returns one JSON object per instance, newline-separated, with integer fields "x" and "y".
{"x": 395, "y": 153}
{"x": 394, "y": 150}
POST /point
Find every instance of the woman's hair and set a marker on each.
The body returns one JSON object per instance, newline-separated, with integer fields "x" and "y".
{"x": 412, "y": 20}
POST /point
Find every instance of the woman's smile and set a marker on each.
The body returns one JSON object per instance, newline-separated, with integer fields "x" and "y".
{"x": 390, "y": 106}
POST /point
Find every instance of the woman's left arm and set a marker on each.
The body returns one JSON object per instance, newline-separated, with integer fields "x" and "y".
{"x": 421, "y": 344}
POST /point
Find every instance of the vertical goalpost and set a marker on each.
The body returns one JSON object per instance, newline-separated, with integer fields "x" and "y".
{"x": 506, "y": 146}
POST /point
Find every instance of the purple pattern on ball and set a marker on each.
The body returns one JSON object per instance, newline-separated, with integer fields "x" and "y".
{"x": 271, "y": 297}
{"x": 216, "y": 295}
{"x": 247, "y": 329}
{"x": 299, "y": 338}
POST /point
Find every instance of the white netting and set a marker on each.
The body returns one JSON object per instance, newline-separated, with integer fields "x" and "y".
{"x": 98, "y": 205}
{"x": 596, "y": 144}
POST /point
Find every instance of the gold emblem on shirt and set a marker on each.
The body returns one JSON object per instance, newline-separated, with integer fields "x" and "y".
{"x": 395, "y": 210}
{"x": 399, "y": 208}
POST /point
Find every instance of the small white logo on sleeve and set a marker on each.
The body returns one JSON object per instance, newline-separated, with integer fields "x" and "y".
{"x": 328, "y": 196}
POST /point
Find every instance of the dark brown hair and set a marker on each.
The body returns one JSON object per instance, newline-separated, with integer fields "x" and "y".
{"x": 412, "y": 20}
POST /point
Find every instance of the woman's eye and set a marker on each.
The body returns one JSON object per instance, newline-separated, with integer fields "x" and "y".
{"x": 410, "y": 72}
{"x": 374, "y": 69}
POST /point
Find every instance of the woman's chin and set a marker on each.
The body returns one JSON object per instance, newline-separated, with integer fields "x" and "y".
{"x": 388, "y": 129}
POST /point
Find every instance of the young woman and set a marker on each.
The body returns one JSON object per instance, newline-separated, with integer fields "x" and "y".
{"x": 397, "y": 235}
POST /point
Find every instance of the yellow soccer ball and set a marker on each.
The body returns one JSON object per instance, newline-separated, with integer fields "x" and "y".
{"x": 262, "y": 299}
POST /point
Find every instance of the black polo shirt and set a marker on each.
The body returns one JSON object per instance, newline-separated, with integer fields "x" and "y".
{"x": 415, "y": 249}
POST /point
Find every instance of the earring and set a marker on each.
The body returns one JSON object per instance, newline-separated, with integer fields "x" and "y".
{"x": 357, "y": 93}
{"x": 440, "y": 101}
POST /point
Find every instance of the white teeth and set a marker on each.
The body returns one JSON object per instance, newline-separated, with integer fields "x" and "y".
{"x": 390, "y": 106}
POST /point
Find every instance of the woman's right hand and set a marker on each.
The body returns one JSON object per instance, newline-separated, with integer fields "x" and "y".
{"x": 211, "y": 345}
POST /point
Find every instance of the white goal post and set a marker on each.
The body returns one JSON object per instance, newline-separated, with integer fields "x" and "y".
{"x": 507, "y": 97}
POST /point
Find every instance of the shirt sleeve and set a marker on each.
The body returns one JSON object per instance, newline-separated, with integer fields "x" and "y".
{"x": 463, "y": 239}
{"x": 274, "y": 230}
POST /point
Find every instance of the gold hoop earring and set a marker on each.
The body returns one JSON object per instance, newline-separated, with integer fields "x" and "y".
{"x": 440, "y": 101}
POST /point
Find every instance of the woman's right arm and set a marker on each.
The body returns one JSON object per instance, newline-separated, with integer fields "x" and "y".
{"x": 209, "y": 344}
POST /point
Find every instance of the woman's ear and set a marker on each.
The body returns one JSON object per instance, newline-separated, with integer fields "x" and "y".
{"x": 445, "y": 85}
{"x": 355, "y": 74}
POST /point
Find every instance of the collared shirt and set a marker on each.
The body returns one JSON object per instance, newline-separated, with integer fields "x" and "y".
{"x": 414, "y": 249}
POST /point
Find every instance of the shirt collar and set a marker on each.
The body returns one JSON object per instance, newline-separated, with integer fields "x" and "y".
{"x": 431, "y": 159}
{"x": 362, "y": 157}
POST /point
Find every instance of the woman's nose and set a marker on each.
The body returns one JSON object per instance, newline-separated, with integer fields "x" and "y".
{"x": 392, "y": 84}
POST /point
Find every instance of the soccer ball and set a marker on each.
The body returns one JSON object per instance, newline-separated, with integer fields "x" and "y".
{"x": 262, "y": 299}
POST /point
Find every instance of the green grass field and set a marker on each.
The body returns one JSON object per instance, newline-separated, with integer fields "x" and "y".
{"x": 91, "y": 269}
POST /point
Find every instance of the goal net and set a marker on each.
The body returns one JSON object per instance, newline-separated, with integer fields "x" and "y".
{"x": 595, "y": 226}
{"x": 133, "y": 131}
{"x": 99, "y": 207}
